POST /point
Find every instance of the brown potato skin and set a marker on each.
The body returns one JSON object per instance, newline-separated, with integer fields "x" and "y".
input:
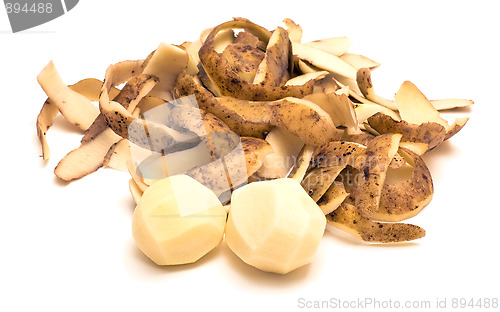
{"x": 430, "y": 133}
{"x": 406, "y": 196}
{"x": 372, "y": 231}
{"x": 186, "y": 85}
{"x": 129, "y": 93}
{"x": 227, "y": 79}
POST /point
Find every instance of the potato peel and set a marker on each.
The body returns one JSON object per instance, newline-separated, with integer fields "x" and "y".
{"x": 348, "y": 219}
{"x": 364, "y": 80}
{"x": 430, "y": 133}
{"x": 228, "y": 81}
{"x": 273, "y": 70}
{"x": 405, "y": 199}
{"x": 337, "y": 46}
{"x": 76, "y": 108}
{"x": 333, "y": 197}
{"x": 91, "y": 154}
{"x": 90, "y": 88}
{"x": 186, "y": 85}
{"x": 319, "y": 180}
{"x": 308, "y": 121}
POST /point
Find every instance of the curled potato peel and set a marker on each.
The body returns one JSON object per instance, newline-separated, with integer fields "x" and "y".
{"x": 228, "y": 81}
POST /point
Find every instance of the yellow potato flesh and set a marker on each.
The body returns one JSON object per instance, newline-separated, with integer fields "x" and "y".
{"x": 171, "y": 226}
{"x": 274, "y": 225}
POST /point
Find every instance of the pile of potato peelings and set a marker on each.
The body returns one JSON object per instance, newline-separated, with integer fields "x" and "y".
{"x": 306, "y": 111}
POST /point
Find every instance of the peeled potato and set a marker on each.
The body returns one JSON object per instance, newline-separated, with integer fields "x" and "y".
{"x": 274, "y": 225}
{"x": 171, "y": 226}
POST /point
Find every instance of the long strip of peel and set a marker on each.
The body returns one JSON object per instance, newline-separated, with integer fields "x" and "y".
{"x": 75, "y": 107}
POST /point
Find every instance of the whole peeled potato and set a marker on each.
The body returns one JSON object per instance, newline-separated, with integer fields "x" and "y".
{"x": 178, "y": 221}
{"x": 274, "y": 225}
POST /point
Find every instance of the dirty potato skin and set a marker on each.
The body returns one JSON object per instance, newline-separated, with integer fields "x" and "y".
{"x": 214, "y": 176}
{"x": 301, "y": 118}
{"x": 319, "y": 180}
{"x": 380, "y": 151}
{"x": 227, "y": 79}
{"x": 186, "y": 85}
{"x": 372, "y": 161}
{"x": 406, "y": 199}
{"x": 273, "y": 70}
{"x": 338, "y": 153}
{"x": 218, "y": 136}
{"x": 347, "y": 218}
{"x": 129, "y": 93}
{"x": 244, "y": 58}
{"x": 430, "y": 133}
{"x": 333, "y": 197}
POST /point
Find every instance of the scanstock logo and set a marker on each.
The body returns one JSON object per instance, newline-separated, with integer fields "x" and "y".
{"x": 25, "y": 14}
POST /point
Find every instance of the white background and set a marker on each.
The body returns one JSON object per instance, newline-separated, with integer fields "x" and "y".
{"x": 68, "y": 247}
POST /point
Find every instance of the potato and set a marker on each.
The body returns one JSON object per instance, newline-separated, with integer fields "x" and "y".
{"x": 171, "y": 226}
{"x": 228, "y": 81}
{"x": 348, "y": 219}
{"x": 405, "y": 198}
{"x": 274, "y": 225}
